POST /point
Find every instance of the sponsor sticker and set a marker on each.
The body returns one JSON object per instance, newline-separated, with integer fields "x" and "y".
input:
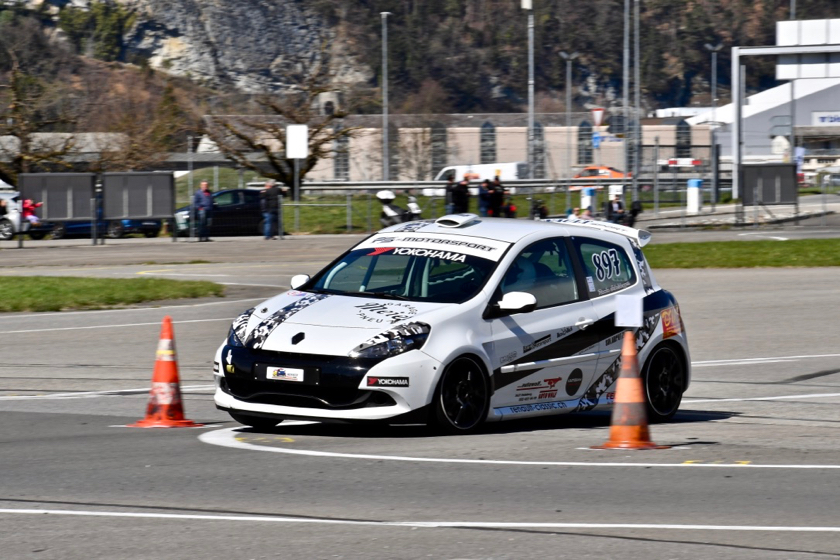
{"x": 457, "y": 246}
{"x": 537, "y": 344}
{"x": 390, "y": 312}
{"x": 509, "y": 357}
{"x": 614, "y": 338}
{"x": 521, "y": 408}
{"x": 590, "y": 283}
{"x": 564, "y": 332}
{"x": 574, "y": 381}
{"x": 671, "y": 322}
{"x": 387, "y": 382}
{"x": 544, "y": 389}
{"x": 295, "y": 293}
{"x": 284, "y": 374}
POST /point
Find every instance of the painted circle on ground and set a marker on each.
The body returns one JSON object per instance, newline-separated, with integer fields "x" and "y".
{"x": 227, "y": 438}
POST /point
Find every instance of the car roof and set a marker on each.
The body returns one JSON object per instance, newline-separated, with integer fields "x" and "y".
{"x": 511, "y": 230}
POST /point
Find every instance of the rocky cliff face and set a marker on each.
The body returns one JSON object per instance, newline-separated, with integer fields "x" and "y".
{"x": 252, "y": 45}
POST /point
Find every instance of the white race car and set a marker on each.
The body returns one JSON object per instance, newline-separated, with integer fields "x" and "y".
{"x": 456, "y": 322}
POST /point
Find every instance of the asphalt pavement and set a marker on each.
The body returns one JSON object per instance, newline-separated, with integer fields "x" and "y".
{"x": 750, "y": 474}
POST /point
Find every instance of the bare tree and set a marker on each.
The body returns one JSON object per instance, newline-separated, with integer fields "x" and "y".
{"x": 28, "y": 109}
{"x": 258, "y": 142}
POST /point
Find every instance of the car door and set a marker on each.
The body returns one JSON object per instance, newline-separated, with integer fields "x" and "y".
{"x": 547, "y": 356}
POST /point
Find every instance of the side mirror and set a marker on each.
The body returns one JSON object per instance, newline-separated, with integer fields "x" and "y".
{"x": 513, "y": 302}
{"x": 299, "y": 280}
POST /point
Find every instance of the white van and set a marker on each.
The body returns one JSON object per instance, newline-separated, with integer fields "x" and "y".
{"x": 478, "y": 172}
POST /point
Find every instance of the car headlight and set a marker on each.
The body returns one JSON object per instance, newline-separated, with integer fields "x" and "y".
{"x": 236, "y": 336}
{"x": 411, "y": 336}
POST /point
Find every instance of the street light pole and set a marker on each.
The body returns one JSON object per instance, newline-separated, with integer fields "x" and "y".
{"x": 792, "y": 9}
{"x": 625, "y": 94}
{"x": 386, "y": 160}
{"x": 528, "y": 5}
{"x": 714, "y": 50}
{"x": 637, "y": 126}
{"x": 569, "y": 58}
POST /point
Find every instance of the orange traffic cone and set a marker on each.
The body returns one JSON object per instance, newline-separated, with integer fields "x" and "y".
{"x": 629, "y": 429}
{"x": 165, "y": 408}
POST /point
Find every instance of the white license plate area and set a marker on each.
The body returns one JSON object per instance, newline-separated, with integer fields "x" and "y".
{"x": 284, "y": 374}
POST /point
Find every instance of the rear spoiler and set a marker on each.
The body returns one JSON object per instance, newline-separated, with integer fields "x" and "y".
{"x": 639, "y": 235}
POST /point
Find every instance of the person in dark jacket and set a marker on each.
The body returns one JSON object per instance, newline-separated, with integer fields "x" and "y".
{"x": 497, "y": 198}
{"x": 484, "y": 197}
{"x": 461, "y": 196}
{"x": 203, "y": 208}
{"x": 614, "y": 210}
{"x": 270, "y": 205}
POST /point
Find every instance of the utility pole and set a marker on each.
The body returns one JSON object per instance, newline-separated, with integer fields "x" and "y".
{"x": 625, "y": 95}
{"x": 528, "y": 5}
{"x": 637, "y": 126}
{"x": 386, "y": 160}
{"x": 569, "y": 58}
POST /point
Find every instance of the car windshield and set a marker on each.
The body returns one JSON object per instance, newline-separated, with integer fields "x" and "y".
{"x": 410, "y": 274}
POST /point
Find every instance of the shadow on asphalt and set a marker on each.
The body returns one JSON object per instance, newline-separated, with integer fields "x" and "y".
{"x": 586, "y": 420}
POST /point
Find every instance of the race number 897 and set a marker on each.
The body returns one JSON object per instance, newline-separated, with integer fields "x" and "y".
{"x": 607, "y": 265}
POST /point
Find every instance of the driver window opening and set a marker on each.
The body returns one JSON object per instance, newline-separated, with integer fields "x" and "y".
{"x": 544, "y": 270}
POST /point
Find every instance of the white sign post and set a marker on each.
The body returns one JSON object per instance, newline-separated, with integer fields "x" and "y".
{"x": 297, "y": 148}
{"x": 628, "y": 311}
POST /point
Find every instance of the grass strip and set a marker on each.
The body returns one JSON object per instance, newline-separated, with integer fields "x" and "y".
{"x": 745, "y": 254}
{"x": 53, "y": 293}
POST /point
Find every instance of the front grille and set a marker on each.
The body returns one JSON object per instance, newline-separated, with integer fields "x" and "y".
{"x": 332, "y": 384}
{"x": 313, "y": 396}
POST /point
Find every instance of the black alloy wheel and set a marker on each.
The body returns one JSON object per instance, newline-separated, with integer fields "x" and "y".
{"x": 257, "y": 422}
{"x": 462, "y": 397}
{"x": 37, "y": 235}
{"x": 58, "y": 231}
{"x": 151, "y": 233}
{"x": 115, "y": 230}
{"x": 664, "y": 378}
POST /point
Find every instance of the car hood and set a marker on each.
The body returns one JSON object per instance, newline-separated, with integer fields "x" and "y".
{"x": 310, "y": 323}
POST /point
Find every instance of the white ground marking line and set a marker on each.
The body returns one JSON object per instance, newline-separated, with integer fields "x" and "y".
{"x": 742, "y": 361}
{"x": 764, "y": 235}
{"x": 279, "y": 287}
{"x": 115, "y": 326}
{"x": 779, "y": 398}
{"x": 227, "y": 438}
{"x": 97, "y": 312}
{"x": 92, "y": 394}
{"x": 419, "y": 524}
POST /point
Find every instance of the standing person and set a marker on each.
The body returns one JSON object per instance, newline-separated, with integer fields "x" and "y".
{"x": 614, "y": 210}
{"x": 270, "y": 205}
{"x": 484, "y": 197}
{"x": 461, "y": 196}
{"x": 497, "y": 198}
{"x": 450, "y": 186}
{"x": 203, "y": 204}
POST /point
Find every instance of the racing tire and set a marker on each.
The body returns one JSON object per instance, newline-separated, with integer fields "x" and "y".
{"x": 37, "y": 235}
{"x": 462, "y": 397}
{"x": 7, "y": 230}
{"x": 258, "y": 422}
{"x": 664, "y": 378}
{"x": 115, "y": 230}
{"x": 151, "y": 233}
{"x": 58, "y": 231}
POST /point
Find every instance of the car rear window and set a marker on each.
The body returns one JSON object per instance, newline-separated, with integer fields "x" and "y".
{"x": 607, "y": 267}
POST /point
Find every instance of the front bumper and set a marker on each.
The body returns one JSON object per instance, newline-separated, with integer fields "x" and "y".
{"x": 334, "y": 387}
